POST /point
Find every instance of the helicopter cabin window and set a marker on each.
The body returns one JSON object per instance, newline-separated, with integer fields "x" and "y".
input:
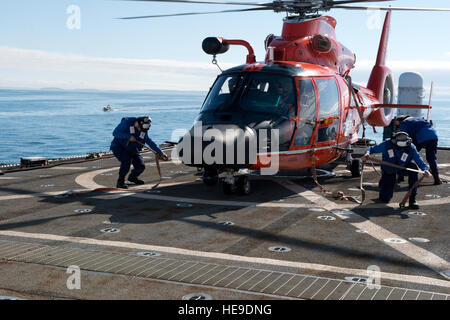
{"x": 270, "y": 94}
{"x": 328, "y": 109}
{"x": 222, "y": 92}
{"x": 307, "y": 113}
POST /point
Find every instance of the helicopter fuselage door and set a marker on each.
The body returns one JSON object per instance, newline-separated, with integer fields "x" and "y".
{"x": 300, "y": 150}
{"x": 327, "y": 119}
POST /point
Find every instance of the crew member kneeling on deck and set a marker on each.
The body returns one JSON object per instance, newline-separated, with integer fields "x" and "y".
{"x": 400, "y": 151}
{"x": 129, "y": 137}
{"x": 423, "y": 135}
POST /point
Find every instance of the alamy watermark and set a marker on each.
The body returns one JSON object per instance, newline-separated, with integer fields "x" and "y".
{"x": 216, "y": 145}
{"x": 74, "y": 280}
{"x": 374, "y": 277}
{"x": 374, "y": 19}
{"x": 74, "y": 20}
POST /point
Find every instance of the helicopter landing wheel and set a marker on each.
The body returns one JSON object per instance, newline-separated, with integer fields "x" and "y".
{"x": 229, "y": 188}
{"x": 210, "y": 177}
{"x": 243, "y": 185}
{"x": 356, "y": 167}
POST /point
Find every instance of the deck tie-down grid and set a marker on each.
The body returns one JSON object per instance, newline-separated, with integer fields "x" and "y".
{"x": 269, "y": 282}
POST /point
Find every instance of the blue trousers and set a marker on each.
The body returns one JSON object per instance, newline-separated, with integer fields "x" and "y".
{"x": 126, "y": 160}
{"x": 387, "y": 183}
{"x": 430, "y": 151}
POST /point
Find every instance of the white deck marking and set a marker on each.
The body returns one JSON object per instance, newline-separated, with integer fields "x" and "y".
{"x": 229, "y": 257}
{"x": 87, "y": 180}
{"x": 69, "y": 168}
{"x": 8, "y": 178}
{"x": 414, "y": 252}
{"x": 36, "y": 195}
{"x": 219, "y": 202}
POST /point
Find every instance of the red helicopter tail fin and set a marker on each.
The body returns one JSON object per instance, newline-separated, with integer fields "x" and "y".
{"x": 380, "y": 73}
{"x": 382, "y": 49}
{"x": 381, "y": 80}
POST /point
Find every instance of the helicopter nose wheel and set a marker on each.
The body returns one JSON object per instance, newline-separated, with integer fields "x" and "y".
{"x": 243, "y": 185}
{"x": 210, "y": 177}
{"x": 239, "y": 184}
{"x": 356, "y": 167}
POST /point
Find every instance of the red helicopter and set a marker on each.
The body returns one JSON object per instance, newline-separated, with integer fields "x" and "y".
{"x": 303, "y": 88}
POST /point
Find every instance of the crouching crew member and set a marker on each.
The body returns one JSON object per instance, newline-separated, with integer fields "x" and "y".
{"x": 129, "y": 137}
{"x": 400, "y": 151}
{"x": 423, "y": 135}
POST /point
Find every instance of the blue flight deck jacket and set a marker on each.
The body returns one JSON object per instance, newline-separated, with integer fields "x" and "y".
{"x": 125, "y": 130}
{"x": 418, "y": 129}
{"x": 396, "y": 156}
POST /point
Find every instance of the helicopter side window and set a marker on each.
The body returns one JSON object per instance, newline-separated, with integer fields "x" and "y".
{"x": 328, "y": 109}
{"x": 222, "y": 93}
{"x": 307, "y": 113}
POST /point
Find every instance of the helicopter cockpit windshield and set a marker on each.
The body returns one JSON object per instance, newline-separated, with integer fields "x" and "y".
{"x": 257, "y": 92}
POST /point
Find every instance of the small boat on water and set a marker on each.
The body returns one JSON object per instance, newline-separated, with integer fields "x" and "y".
{"x": 107, "y": 108}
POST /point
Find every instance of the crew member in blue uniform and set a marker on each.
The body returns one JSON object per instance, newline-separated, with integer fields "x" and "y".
{"x": 423, "y": 135}
{"x": 127, "y": 150}
{"x": 400, "y": 151}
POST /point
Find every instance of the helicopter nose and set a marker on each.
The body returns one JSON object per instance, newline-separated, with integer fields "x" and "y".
{"x": 222, "y": 146}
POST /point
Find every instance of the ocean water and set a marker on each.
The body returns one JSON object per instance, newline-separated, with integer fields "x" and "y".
{"x": 59, "y": 123}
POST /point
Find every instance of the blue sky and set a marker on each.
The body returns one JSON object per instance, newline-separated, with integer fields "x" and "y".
{"x": 38, "y": 50}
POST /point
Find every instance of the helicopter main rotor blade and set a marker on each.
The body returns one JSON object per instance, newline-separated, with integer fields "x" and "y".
{"x": 356, "y": 1}
{"x": 211, "y": 2}
{"x": 388, "y": 8}
{"x": 274, "y": 4}
{"x": 193, "y": 13}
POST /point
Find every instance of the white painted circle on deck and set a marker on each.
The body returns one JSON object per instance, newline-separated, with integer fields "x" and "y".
{"x": 82, "y": 210}
{"x": 279, "y": 249}
{"x": 317, "y": 209}
{"x": 395, "y": 240}
{"x": 226, "y": 223}
{"x": 197, "y": 296}
{"x": 341, "y": 211}
{"x": 356, "y": 279}
{"x": 184, "y": 205}
{"x": 326, "y": 218}
{"x": 420, "y": 240}
{"x": 148, "y": 254}
{"x": 417, "y": 213}
{"x": 110, "y": 230}
{"x": 153, "y": 191}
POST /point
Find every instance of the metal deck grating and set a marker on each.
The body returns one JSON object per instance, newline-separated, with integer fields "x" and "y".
{"x": 281, "y": 284}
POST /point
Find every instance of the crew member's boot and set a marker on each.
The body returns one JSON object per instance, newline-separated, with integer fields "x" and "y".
{"x": 413, "y": 203}
{"x": 121, "y": 183}
{"x": 437, "y": 181}
{"x": 135, "y": 180}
